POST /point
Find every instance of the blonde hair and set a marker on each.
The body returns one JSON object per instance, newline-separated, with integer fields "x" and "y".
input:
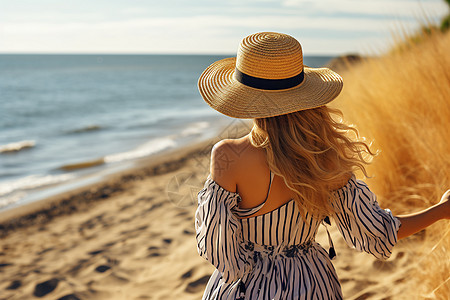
{"x": 311, "y": 150}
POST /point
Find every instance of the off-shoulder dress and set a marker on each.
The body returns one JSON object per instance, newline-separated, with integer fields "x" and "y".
{"x": 274, "y": 255}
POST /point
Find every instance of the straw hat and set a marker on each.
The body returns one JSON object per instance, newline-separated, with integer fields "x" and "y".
{"x": 266, "y": 79}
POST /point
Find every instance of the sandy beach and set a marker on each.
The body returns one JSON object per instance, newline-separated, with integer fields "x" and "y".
{"x": 132, "y": 236}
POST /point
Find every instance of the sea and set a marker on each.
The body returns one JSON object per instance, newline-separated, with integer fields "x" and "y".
{"x": 69, "y": 120}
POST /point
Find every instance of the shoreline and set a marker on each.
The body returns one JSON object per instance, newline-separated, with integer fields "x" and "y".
{"x": 107, "y": 240}
{"x": 71, "y": 200}
{"x": 65, "y": 202}
{"x": 83, "y": 171}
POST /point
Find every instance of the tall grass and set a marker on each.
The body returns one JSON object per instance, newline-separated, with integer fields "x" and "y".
{"x": 402, "y": 102}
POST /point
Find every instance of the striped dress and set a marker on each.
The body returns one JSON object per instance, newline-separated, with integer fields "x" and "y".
{"x": 274, "y": 255}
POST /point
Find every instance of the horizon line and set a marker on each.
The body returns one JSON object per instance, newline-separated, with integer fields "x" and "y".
{"x": 150, "y": 53}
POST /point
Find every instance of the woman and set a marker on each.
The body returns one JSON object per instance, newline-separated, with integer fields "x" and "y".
{"x": 269, "y": 191}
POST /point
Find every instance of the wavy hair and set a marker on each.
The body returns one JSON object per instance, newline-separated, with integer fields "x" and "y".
{"x": 311, "y": 150}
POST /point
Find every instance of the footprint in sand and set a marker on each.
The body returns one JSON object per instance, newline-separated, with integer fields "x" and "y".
{"x": 69, "y": 297}
{"x": 400, "y": 280}
{"x": 188, "y": 274}
{"x": 112, "y": 261}
{"x": 5, "y": 265}
{"x": 45, "y": 250}
{"x": 15, "y": 284}
{"x": 183, "y": 213}
{"x": 46, "y": 287}
{"x": 155, "y": 254}
{"x": 155, "y": 251}
{"x": 91, "y": 223}
{"x": 107, "y": 245}
{"x": 344, "y": 280}
{"x": 102, "y": 268}
{"x": 188, "y": 232}
{"x": 197, "y": 285}
{"x": 95, "y": 252}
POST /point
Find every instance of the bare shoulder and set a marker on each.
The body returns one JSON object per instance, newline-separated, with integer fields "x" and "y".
{"x": 226, "y": 158}
{"x": 230, "y": 147}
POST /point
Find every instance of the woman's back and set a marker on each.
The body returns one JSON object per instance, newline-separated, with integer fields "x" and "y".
{"x": 264, "y": 248}
{"x": 240, "y": 167}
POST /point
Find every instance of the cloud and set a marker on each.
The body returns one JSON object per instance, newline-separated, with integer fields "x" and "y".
{"x": 204, "y": 32}
{"x": 197, "y": 34}
{"x": 200, "y": 23}
{"x": 368, "y": 7}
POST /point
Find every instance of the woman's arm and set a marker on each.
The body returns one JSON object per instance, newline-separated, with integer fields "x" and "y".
{"x": 415, "y": 222}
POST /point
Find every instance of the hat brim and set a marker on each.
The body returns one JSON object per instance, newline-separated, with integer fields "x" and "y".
{"x": 228, "y": 96}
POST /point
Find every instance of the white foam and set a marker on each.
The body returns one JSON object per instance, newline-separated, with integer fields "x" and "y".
{"x": 151, "y": 147}
{"x": 11, "y": 199}
{"x": 32, "y": 182}
{"x": 195, "y": 128}
{"x": 17, "y": 146}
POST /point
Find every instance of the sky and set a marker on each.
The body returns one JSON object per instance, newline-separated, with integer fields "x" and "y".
{"x": 323, "y": 27}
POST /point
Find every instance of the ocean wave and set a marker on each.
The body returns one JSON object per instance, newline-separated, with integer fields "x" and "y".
{"x": 86, "y": 129}
{"x": 146, "y": 149}
{"x": 17, "y": 146}
{"x": 195, "y": 128}
{"x": 32, "y": 182}
{"x": 151, "y": 147}
{"x": 11, "y": 199}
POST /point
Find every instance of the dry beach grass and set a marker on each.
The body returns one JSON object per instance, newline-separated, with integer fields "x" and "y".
{"x": 402, "y": 102}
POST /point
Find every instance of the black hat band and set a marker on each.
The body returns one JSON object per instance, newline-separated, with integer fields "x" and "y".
{"x": 269, "y": 84}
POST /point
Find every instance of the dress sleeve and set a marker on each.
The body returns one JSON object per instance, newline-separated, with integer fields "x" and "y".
{"x": 361, "y": 221}
{"x": 218, "y": 231}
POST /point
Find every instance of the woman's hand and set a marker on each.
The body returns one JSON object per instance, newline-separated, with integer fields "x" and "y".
{"x": 417, "y": 221}
{"x": 444, "y": 204}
